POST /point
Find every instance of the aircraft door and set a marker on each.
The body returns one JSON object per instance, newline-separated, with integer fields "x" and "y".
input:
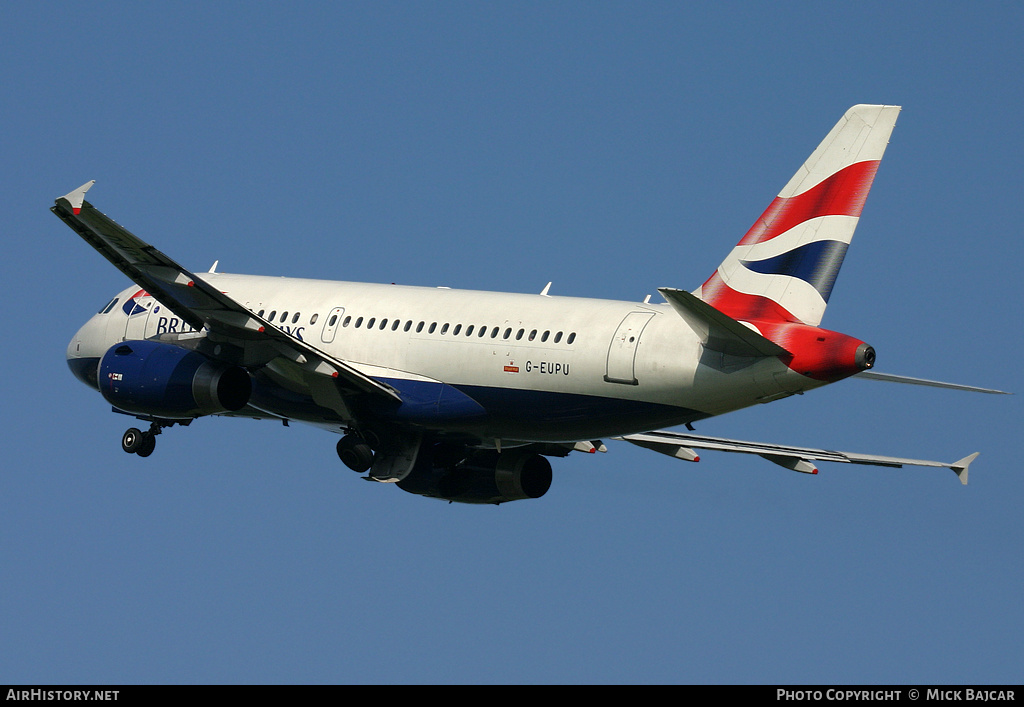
{"x": 138, "y": 308}
{"x": 331, "y": 322}
{"x": 622, "y": 350}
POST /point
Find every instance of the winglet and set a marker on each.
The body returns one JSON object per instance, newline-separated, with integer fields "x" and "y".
{"x": 960, "y": 467}
{"x": 76, "y": 197}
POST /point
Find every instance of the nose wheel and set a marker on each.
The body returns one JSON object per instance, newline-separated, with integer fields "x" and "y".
{"x": 135, "y": 441}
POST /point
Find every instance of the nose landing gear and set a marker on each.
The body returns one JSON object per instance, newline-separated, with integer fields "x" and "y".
{"x": 135, "y": 441}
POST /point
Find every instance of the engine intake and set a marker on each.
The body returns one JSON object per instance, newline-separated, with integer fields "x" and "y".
{"x": 166, "y": 381}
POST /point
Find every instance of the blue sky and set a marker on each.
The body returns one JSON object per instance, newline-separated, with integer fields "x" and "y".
{"x": 610, "y": 148}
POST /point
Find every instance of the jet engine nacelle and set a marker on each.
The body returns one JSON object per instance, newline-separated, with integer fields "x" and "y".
{"x": 479, "y": 476}
{"x": 165, "y": 381}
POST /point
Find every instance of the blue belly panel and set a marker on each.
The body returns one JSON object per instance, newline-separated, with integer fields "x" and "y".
{"x": 426, "y": 402}
{"x": 533, "y": 413}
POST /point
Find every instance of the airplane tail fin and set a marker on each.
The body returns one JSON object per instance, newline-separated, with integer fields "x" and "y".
{"x": 785, "y": 266}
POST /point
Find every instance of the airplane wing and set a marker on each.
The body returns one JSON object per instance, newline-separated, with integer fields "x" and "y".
{"x": 239, "y": 336}
{"x": 681, "y": 446}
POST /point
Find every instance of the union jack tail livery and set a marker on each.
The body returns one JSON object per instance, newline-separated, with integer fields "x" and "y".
{"x": 785, "y": 266}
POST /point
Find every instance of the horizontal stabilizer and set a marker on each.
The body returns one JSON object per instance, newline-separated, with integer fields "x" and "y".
{"x": 718, "y": 331}
{"x": 890, "y": 378}
{"x": 795, "y": 458}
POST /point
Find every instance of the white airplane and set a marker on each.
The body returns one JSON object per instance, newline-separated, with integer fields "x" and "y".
{"x": 462, "y": 395}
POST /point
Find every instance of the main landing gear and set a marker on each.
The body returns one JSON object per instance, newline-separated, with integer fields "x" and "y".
{"x": 355, "y": 453}
{"x": 389, "y": 454}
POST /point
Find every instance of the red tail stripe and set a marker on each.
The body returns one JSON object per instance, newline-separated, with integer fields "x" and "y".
{"x": 739, "y": 305}
{"x": 841, "y": 194}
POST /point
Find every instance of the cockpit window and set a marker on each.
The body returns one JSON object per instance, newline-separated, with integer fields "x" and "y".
{"x": 110, "y": 306}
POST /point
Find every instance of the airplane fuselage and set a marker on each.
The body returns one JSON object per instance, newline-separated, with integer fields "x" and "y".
{"x": 489, "y": 365}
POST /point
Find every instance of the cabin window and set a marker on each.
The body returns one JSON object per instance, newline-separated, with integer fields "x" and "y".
{"x": 332, "y": 320}
{"x": 433, "y": 325}
{"x": 456, "y": 330}
{"x": 508, "y": 333}
{"x": 545, "y": 335}
{"x": 444, "y": 329}
{"x": 273, "y": 314}
{"x": 533, "y": 335}
{"x": 383, "y": 324}
{"x": 483, "y": 330}
{"x": 408, "y": 325}
{"x": 284, "y": 317}
{"x": 370, "y": 322}
{"x": 348, "y": 320}
{"x": 558, "y": 337}
{"x": 312, "y": 320}
{"x": 572, "y": 338}
{"x": 110, "y": 305}
{"x": 359, "y": 322}
{"x": 295, "y": 318}
{"x": 419, "y": 327}
{"x": 519, "y": 334}
{"x": 396, "y": 324}
{"x": 469, "y": 330}
{"x": 494, "y": 332}
{"x": 260, "y": 313}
